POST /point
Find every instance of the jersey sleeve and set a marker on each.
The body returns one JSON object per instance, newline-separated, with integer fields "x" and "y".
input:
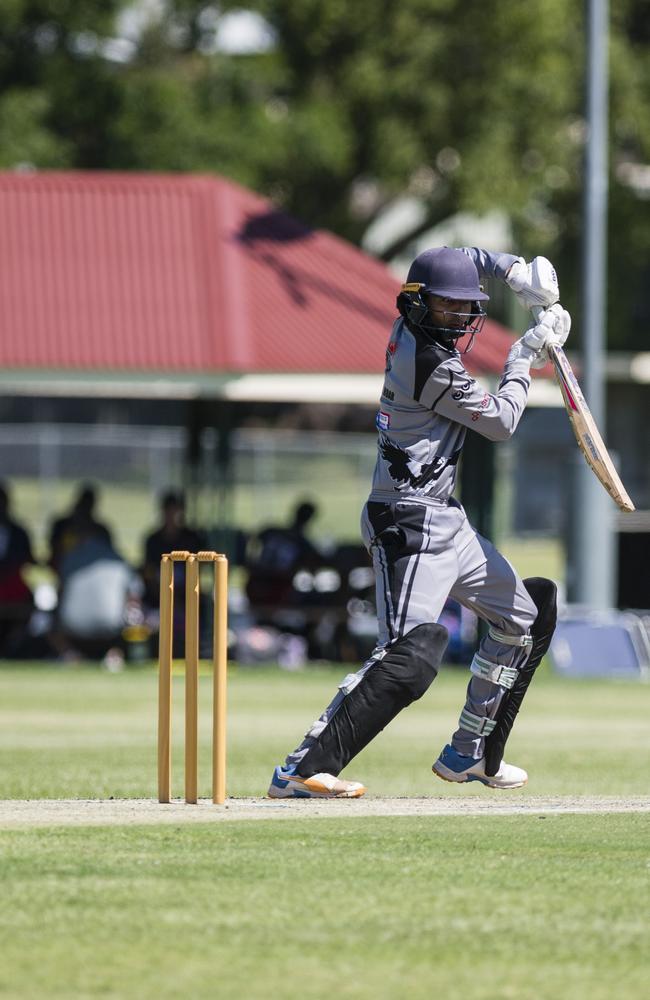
{"x": 490, "y": 264}
{"x": 452, "y": 392}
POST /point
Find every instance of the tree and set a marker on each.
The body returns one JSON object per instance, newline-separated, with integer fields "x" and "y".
{"x": 56, "y": 86}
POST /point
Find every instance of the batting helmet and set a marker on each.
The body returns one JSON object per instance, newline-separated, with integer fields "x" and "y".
{"x": 448, "y": 274}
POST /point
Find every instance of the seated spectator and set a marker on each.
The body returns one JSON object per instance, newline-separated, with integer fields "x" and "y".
{"x": 97, "y": 586}
{"x": 172, "y": 535}
{"x": 16, "y": 599}
{"x": 278, "y": 553}
{"x": 79, "y": 524}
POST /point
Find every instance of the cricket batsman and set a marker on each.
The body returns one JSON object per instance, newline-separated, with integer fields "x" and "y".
{"x": 423, "y": 548}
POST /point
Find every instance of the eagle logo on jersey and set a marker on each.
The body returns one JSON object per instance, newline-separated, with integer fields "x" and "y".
{"x": 406, "y": 471}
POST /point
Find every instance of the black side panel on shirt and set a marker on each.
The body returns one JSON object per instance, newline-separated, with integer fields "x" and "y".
{"x": 428, "y": 357}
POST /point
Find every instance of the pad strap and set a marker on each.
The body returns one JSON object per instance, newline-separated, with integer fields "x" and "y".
{"x": 479, "y": 724}
{"x": 544, "y": 595}
{"x": 495, "y": 673}
{"x": 510, "y": 640}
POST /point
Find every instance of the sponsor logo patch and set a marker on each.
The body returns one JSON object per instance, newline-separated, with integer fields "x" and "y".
{"x": 483, "y": 405}
{"x": 383, "y": 420}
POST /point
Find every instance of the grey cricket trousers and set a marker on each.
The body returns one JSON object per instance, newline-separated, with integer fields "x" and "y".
{"x": 423, "y": 553}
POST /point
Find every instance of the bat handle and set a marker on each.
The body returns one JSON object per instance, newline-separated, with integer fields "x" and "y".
{"x": 537, "y": 311}
{"x": 553, "y": 350}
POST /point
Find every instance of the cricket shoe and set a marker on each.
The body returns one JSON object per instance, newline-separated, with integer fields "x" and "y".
{"x": 285, "y": 785}
{"x": 453, "y": 766}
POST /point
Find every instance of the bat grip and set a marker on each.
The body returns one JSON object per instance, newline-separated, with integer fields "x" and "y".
{"x": 538, "y": 310}
{"x": 552, "y": 351}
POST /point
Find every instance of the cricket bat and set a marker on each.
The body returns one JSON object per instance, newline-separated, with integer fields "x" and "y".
{"x": 584, "y": 427}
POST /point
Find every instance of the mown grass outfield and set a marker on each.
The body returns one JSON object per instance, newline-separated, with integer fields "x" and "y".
{"x": 542, "y": 905}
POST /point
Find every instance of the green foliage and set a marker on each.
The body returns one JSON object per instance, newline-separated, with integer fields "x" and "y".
{"x": 471, "y": 108}
{"x": 24, "y": 135}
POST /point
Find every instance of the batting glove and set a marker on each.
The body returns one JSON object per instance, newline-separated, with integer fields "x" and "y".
{"x": 552, "y": 328}
{"x": 534, "y": 284}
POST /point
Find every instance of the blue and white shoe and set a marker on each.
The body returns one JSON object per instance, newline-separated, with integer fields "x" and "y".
{"x": 453, "y": 766}
{"x": 285, "y": 785}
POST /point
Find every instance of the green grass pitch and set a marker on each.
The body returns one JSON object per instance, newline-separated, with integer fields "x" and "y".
{"x": 527, "y": 907}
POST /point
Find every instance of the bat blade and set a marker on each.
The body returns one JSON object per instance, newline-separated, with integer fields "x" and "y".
{"x": 586, "y": 433}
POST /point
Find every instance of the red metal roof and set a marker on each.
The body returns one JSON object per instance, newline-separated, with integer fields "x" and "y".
{"x": 178, "y": 273}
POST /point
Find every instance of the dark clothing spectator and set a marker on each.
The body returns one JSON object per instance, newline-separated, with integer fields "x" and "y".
{"x": 279, "y": 552}
{"x": 16, "y": 599}
{"x": 15, "y": 553}
{"x": 72, "y": 529}
{"x": 172, "y": 535}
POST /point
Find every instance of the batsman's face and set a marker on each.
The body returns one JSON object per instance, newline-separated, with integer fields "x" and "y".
{"x": 450, "y": 313}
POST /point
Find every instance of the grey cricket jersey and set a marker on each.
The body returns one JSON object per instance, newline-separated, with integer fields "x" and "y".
{"x": 428, "y": 402}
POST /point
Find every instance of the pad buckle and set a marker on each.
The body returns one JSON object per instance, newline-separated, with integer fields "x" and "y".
{"x": 494, "y": 673}
{"x": 479, "y": 724}
{"x": 510, "y": 640}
